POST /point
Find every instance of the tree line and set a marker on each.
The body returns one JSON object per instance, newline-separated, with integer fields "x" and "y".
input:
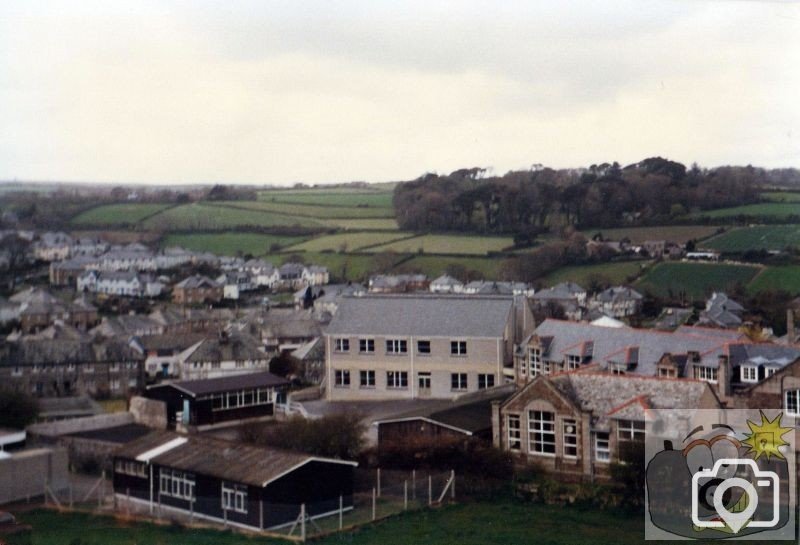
{"x": 650, "y": 192}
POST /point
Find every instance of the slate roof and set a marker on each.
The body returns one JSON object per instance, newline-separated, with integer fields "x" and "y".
{"x": 617, "y": 294}
{"x": 609, "y": 396}
{"x": 768, "y": 355}
{"x": 562, "y": 291}
{"x": 607, "y": 342}
{"x": 492, "y": 287}
{"x": 225, "y": 384}
{"x": 722, "y": 311}
{"x": 235, "y": 462}
{"x": 197, "y": 281}
{"x": 66, "y": 351}
{"x": 422, "y": 315}
{"x": 237, "y": 347}
{"x": 446, "y": 281}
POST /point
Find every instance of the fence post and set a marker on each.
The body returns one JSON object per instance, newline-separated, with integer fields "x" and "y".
{"x": 128, "y": 501}
{"x": 413, "y": 484}
{"x": 405, "y": 495}
{"x": 45, "y": 492}
{"x": 70, "y": 496}
{"x": 341, "y": 510}
{"x": 430, "y": 490}
{"x": 159, "y": 503}
{"x": 374, "y": 498}
{"x": 225, "y": 516}
{"x": 191, "y": 511}
{"x": 303, "y": 522}
{"x": 452, "y": 484}
{"x": 379, "y": 482}
{"x": 103, "y": 487}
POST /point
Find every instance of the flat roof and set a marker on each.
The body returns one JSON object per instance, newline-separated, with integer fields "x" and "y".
{"x": 206, "y": 386}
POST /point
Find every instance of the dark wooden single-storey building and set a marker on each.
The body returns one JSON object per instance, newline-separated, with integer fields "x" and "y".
{"x": 241, "y": 485}
{"x": 215, "y": 400}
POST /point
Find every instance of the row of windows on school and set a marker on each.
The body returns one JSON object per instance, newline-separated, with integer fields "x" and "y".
{"x": 397, "y": 346}
{"x": 181, "y": 485}
{"x": 398, "y": 380}
{"x": 542, "y": 430}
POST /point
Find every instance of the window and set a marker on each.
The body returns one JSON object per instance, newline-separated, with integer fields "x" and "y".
{"x": 458, "y": 381}
{"x": 770, "y": 371}
{"x": 573, "y": 362}
{"x": 396, "y": 346}
{"x": 114, "y": 384}
{"x": 396, "y": 379}
{"x": 177, "y": 484}
{"x": 88, "y": 368}
{"x": 542, "y": 433}
{"x": 665, "y": 372}
{"x": 749, "y": 373}
{"x": 792, "y": 404}
{"x": 114, "y": 367}
{"x": 367, "y": 379}
{"x": 569, "y": 434}
{"x": 628, "y": 430}
{"x": 341, "y": 378}
{"x": 424, "y": 347}
{"x": 234, "y": 497}
{"x": 709, "y": 374}
{"x": 129, "y": 467}
{"x": 341, "y": 345}
{"x": 602, "y": 453}
{"x": 535, "y": 362}
{"x": 514, "y": 432}
{"x": 17, "y": 371}
{"x": 366, "y": 346}
{"x": 133, "y": 383}
{"x": 424, "y": 381}
{"x": 485, "y": 381}
{"x": 458, "y": 348}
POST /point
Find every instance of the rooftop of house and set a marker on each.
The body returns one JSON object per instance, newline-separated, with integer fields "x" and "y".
{"x": 225, "y": 384}
{"x": 564, "y": 290}
{"x": 61, "y": 351}
{"x": 422, "y": 315}
{"x": 446, "y": 281}
{"x": 197, "y": 281}
{"x": 234, "y": 347}
{"x": 618, "y": 294}
{"x": 236, "y": 462}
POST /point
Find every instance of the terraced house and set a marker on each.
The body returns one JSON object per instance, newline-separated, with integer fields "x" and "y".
{"x": 422, "y": 345}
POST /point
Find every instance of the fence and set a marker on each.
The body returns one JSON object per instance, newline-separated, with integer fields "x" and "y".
{"x": 377, "y": 494}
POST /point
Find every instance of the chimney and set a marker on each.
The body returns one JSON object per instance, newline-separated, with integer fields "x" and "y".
{"x": 724, "y": 377}
{"x": 790, "y": 333}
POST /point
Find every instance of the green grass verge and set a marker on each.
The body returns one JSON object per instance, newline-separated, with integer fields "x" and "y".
{"x": 447, "y": 244}
{"x": 348, "y": 241}
{"x": 760, "y": 237}
{"x": 612, "y": 273}
{"x": 679, "y": 234}
{"x": 777, "y": 278}
{"x": 118, "y": 214}
{"x": 229, "y": 243}
{"x": 206, "y": 216}
{"x": 695, "y": 280}
{"x": 765, "y": 210}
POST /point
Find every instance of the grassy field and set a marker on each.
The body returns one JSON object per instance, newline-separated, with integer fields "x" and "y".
{"x": 207, "y": 216}
{"x": 781, "y": 196}
{"x": 613, "y": 273}
{"x": 343, "y": 267}
{"x": 118, "y": 214}
{"x": 373, "y": 199}
{"x": 447, "y": 244}
{"x": 229, "y": 243}
{"x": 368, "y": 224}
{"x": 760, "y": 237}
{"x": 679, "y": 234}
{"x": 349, "y": 241}
{"x": 314, "y": 211}
{"x": 483, "y": 523}
{"x": 695, "y": 280}
{"x": 777, "y": 278}
{"x": 433, "y": 266}
{"x": 766, "y": 210}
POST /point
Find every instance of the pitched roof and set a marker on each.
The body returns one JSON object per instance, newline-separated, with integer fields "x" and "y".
{"x": 197, "y": 281}
{"x": 236, "y": 347}
{"x": 618, "y": 293}
{"x": 246, "y": 464}
{"x": 225, "y": 384}
{"x": 422, "y": 315}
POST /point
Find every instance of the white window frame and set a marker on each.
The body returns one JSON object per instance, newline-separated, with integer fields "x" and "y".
{"x": 535, "y": 362}
{"x": 569, "y": 440}
{"x": 630, "y": 430}
{"x": 234, "y": 497}
{"x": 459, "y": 382}
{"x": 424, "y": 380}
{"x": 707, "y": 374}
{"x": 484, "y": 380}
{"x": 396, "y": 346}
{"x": 177, "y": 484}
{"x": 458, "y": 348}
{"x": 366, "y": 346}
{"x": 791, "y": 402}
{"x": 422, "y": 352}
{"x": 602, "y": 447}
{"x": 542, "y": 433}
{"x": 573, "y": 362}
{"x": 396, "y": 380}
{"x": 341, "y": 344}
{"x": 514, "y": 426}
{"x": 341, "y": 378}
{"x": 366, "y": 378}
{"x": 770, "y": 371}
{"x": 748, "y": 373}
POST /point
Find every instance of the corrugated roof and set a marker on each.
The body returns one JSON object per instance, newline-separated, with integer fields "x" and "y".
{"x": 422, "y": 315}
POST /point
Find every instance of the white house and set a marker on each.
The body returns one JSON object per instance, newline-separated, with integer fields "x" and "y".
{"x": 234, "y": 283}
{"x": 263, "y": 273}
{"x": 53, "y": 246}
{"x": 446, "y": 284}
{"x": 314, "y": 275}
{"x": 125, "y": 284}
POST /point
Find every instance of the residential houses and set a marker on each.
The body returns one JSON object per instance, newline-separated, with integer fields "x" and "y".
{"x": 223, "y": 355}
{"x": 38, "y": 309}
{"x": 446, "y": 284}
{"x": 197, "y": 290}
{"x": 569, "y": 297}
{"x": 235, "y": 283}
{"x": 422, "y": 345}
{"x": 52, "y": 246}
{"x": 292, "y": 275}
{"x": 119, "y": 283}
{"x": 721, "y": 311}
{"x": 617, "y": 302}
{"x": 263, "y": 273}
{"x": 397, "y": 283}
{"x": 483, "y": 287}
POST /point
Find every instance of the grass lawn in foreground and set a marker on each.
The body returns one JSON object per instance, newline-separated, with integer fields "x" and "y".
{"x": 695, "y": 280}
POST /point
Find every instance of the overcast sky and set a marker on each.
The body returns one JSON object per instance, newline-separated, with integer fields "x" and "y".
{"x": 331, "y": 91}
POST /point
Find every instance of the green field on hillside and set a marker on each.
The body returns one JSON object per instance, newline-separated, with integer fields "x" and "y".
{"x": 205, "y": 216}
{"x": 374, "y": 199}
{"x": 679, "y": 234}
{"x": 343, "y": 267}
{"x": 759, "y": 237}
{"x": 760, "y": 210}
{"x": 777, "y": 278}
{"x": 230, "y": 243}
{"x": 118, "y": 214}
{"x": 447, "y": 244}
{"x": 433, "y": 266}
{"x": 781, "y": 196}
{"x": 695, "y": 280}
{"x": 368, "y": 224}
{"x": 606, "y": 273}
{"x": 313, "y": 211}
{"x": 349, "y": 242}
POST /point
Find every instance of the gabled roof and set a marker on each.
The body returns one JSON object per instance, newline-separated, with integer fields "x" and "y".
{"x": 422, "y": 315}
{"x": 446, "y": 281}
{"x": 617, "y": 294}
{"x": 237, "y": 347}
{"x": 197, "y": 281}
{"x": 236, "y": 462}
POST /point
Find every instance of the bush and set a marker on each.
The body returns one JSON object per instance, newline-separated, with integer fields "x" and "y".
{"x": 335, "y": 436}
{"x": 17, "y": 409}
